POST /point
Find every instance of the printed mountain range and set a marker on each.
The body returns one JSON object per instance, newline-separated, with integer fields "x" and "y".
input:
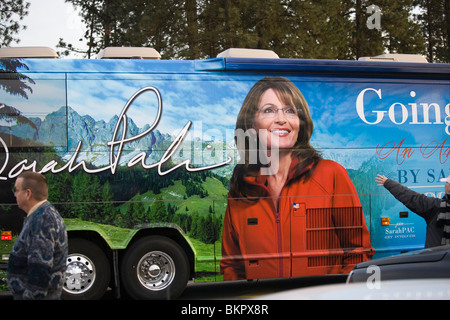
{"x": 64, "y": 129}
{"x": 64, "y": 135}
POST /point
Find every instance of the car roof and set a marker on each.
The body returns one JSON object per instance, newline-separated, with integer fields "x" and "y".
{"x": 424, "y": 255}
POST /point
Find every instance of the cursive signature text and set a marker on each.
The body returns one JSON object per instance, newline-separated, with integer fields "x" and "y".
{"x": 402, "y": 153}
{"x": 116, "y": 147}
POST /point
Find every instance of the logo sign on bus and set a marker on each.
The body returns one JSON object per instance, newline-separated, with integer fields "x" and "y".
{"x": 6, "y": 235}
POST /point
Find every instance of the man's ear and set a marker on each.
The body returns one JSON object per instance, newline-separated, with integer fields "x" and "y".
{"x": 29, "y": 194}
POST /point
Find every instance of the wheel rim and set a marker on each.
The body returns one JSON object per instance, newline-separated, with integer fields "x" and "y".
{"x": 156, "y": 270}
{"x": 80, "y": 274}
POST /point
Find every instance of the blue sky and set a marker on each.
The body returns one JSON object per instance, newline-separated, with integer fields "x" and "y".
{"x": 49, "y": 20}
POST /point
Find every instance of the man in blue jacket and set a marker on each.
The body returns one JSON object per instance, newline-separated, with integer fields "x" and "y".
{"x": 435, "y": 211}
{"x": 37, "y": 263}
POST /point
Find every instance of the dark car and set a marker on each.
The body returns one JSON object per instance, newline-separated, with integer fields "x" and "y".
{"x": 421, "y": 264}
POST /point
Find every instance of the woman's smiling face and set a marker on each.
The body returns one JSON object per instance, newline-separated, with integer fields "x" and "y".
{"x": 276, "y": 123}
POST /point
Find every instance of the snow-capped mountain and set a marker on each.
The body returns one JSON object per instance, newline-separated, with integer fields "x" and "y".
{"x": 65, "y": 129}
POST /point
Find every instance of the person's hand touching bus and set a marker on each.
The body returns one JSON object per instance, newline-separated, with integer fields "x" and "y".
{"x": 380, "y": 179}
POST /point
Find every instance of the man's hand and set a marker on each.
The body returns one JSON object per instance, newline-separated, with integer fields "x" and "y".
{"x": 382, "y": 179}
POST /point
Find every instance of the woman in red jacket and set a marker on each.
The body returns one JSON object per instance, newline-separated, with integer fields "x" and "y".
{"x": 289, "y": 212}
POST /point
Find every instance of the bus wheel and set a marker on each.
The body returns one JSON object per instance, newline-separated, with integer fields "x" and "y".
{"x": 155, "y": 267}
{"x": 88, "y": 272}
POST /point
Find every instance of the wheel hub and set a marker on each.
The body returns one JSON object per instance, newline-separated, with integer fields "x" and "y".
{"x": 80, "y": 274}
{"x": 156, "y": 270}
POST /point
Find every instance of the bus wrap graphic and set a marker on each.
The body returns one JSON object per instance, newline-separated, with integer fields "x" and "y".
{"x": 131, "y": 147}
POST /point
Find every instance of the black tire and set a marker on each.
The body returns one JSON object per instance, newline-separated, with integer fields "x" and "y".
{"x": 88, "y": 271}
{"x": 154, "y": 268}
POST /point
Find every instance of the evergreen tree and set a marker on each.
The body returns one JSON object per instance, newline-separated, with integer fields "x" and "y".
{"x": 10, "y": 10}
{"x": 158, "y": 211}
{"x": 80, "y": 185}
{"x": 400, "y": 33}
{"x": 139, "y": 212}
{"x": 208, "y": 233}
{"x": 128, "y": 23}
{"x": 128, "y": 219}
{"x": 331, "y": 29}
{"x": 104, "y": 24}
{"x": 86, "y": 196}
{"x": 108, "y": 209}
{"x": 59, "y": 192}
{"x": 397, "y": 32}
{"x": 434, "y": 18}
{"x": 195, "y": 225}
{"x": 171, "y": 212}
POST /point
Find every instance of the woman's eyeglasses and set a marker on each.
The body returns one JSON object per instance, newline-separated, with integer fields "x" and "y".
{"x": 272, "y": 112}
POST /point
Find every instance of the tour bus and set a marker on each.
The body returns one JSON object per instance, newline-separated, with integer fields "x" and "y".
{"x": 166, "y": 171}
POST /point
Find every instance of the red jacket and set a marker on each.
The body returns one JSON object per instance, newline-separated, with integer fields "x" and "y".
{"x": 318, "y": 229}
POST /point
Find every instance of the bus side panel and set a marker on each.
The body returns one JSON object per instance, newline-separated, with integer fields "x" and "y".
{"x": 154, "y": 148}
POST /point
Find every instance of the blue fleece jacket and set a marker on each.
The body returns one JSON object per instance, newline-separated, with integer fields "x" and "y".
{"x": 37, "y": 263}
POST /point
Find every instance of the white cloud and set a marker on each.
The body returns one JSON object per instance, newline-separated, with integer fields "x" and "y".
{"x": 49, "y": 20}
